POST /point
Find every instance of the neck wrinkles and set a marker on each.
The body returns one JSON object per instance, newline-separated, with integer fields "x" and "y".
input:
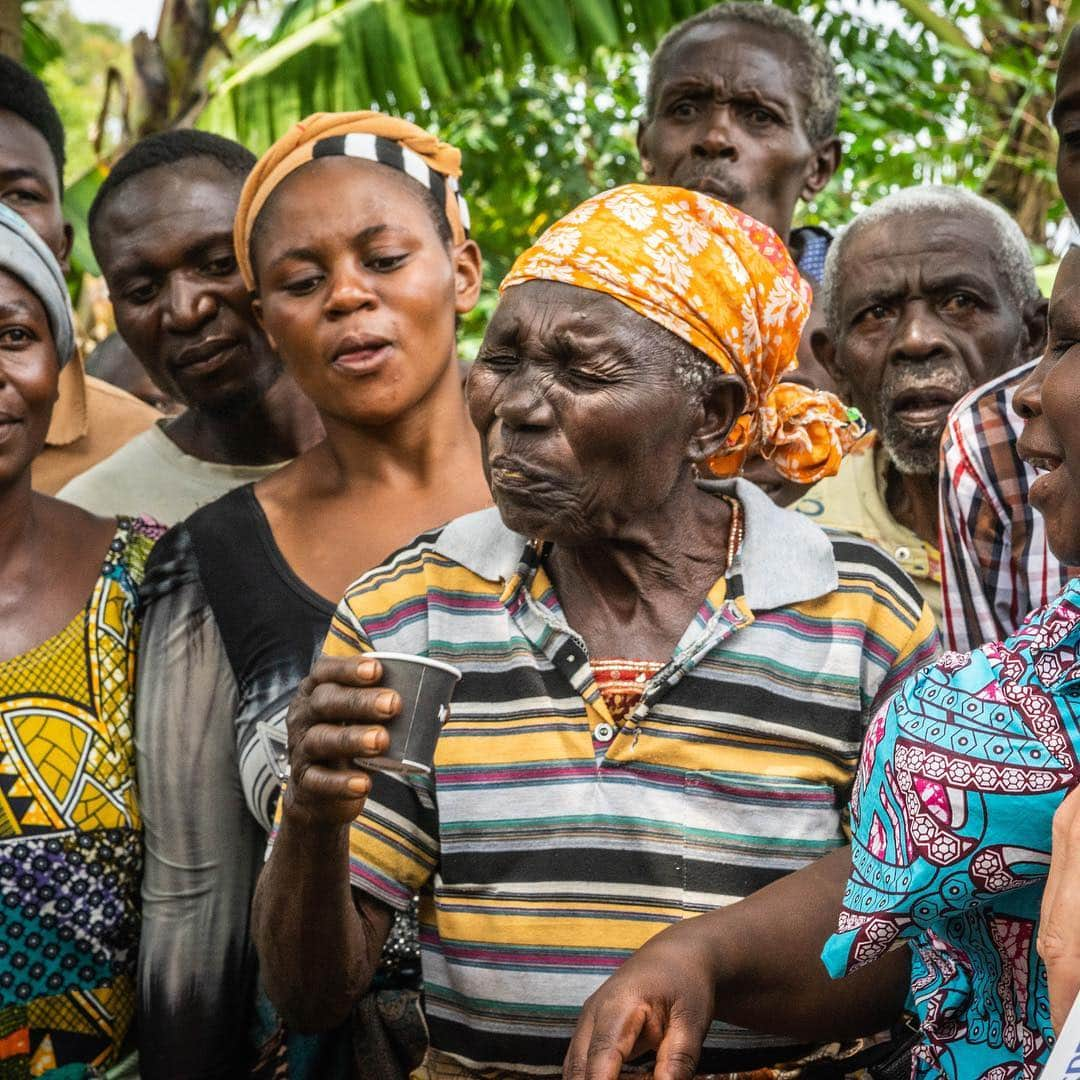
{"x": 678, "y": 549}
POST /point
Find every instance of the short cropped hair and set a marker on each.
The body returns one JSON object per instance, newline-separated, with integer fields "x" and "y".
{"x": 168, "y": 148}
{"x": 820, "y": 83}
{"x": 1011, "y": 252}
{"x": 24, "y": 94}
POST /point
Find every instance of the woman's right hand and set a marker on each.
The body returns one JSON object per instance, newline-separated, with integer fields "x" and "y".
{"x": 339, "y": 714}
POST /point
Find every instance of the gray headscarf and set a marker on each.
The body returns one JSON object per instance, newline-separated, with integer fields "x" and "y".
{"x": 23, "y": 253}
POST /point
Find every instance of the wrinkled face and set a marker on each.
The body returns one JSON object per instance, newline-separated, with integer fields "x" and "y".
{"x": 925, "y": 315}
{"x": 29, "y": 370}
{"x": 584, "y": 429}
{"x": 729, "y": 123}
{"x": 1067, "y": 123}
{"x": 1049, "y": 401}
{"x": 358, "y": 291}
{"x": 164, "y": 242}
{"x": 29, "y": 185}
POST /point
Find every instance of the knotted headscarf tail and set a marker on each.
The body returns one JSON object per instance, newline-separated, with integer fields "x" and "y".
{"x": 721, "y": 281}
{"x": 371, "y": 136}
{"x": 25, "y": 255}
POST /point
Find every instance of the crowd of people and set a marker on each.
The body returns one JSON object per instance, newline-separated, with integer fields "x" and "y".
{"x": 710, "y": 800}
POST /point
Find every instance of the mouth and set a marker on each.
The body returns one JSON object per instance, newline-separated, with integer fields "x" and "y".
{"x": 9, "y": 424}
{"x": 361, "y": 354}
{"x": 1044, "y": 462}
{"x": 206, "y": 358}
{"x": 723, "y": 188}
{"x": 512, "y": 474}
{"x": 924, "y": 406}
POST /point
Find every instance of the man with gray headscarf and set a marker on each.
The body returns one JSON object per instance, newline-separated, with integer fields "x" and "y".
{"x": 928, "y": 294}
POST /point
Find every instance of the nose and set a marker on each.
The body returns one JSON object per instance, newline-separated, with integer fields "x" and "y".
{"x": 521, "y": 403}
{"x": 1028, "y": 397}
{"x": 920, "y": 334}
{"x": 351, "y": 289}
{"x": 188, "y": 306}
{"x": 715, "y": 140}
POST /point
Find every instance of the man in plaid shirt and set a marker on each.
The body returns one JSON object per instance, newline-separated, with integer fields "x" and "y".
{"x": 995, "y": 564}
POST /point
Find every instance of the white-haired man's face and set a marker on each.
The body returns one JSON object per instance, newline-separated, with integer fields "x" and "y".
{"x": 924, "y": 314}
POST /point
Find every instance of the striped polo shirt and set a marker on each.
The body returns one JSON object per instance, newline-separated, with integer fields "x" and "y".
{"x": 557, "y": 843}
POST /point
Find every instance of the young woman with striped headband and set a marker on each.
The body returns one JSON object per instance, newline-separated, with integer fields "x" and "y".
{"x": 353, "y": 238}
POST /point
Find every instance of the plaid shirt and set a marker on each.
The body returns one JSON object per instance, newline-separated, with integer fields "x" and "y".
{"x": 995, "y": 562}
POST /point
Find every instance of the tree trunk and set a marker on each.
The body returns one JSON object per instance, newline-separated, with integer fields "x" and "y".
{"x": 11, "y": 29}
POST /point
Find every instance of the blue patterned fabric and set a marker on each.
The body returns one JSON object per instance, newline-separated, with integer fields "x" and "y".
{"x": 959, "y": 780}
{"x": 814, "y": 242}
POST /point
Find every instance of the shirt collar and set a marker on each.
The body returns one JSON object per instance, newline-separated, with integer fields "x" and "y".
{"x": 70, "y": 417}
{"x": 785, "y": 558}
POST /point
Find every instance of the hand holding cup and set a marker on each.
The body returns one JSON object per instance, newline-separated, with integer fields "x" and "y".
{"x": 338, "y": 718}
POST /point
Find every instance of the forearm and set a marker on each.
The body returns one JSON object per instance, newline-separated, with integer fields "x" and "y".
{"x": 765, "y": 959}
{"x": 315, "y": 949}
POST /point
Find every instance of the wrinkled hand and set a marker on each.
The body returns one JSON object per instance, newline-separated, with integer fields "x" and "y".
{"x": 661, "y": 999}
{"x": 1059, "y": 923}
{"x": 338, "y": 715}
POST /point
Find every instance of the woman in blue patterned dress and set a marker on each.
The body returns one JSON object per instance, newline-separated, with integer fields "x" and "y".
{"x": 69, "y": 822}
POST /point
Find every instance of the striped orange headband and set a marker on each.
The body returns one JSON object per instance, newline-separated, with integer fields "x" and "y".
{"x": 370, "y": 136}
{"x": 721, "y": 281}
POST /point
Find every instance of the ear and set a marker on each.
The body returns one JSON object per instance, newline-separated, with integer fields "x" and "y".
{"x": 825, "y": 354}
{"x": 719, "y": 409}
{"x": 642, "y": 149}
{"x": 468, "y": 276}
{"x": 823, "y": 166}
{"x": 65, "y": 254}
{"x": 257, "y": 311}
{"x": 1035, "y": 326}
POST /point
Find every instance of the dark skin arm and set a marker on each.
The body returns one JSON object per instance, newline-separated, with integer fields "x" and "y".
{"x": 755, "y": 964}
{"x": 319, "y": 940}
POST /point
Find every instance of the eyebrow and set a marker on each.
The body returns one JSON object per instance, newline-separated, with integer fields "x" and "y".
{"x": 1068, "y": 103}
{"x": 856, "y": 300}
{"x": 23, "y": 172}
{"x": 569, "y": 341}
{"x": 16, "y": 308}
{"x": 141, "y": 264}
{"x": 309, "y": 254}
{"x": 694, "y": 84}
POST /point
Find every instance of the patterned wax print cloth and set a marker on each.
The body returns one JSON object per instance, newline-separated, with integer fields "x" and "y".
{"x": 69, "y": 832}
{"x": 722, "y": 282}
{"x": 996, "y": 564}
{"x": 957, "y": 787}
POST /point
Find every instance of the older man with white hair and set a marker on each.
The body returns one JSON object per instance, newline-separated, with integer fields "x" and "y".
{"x": 928, "y": 294}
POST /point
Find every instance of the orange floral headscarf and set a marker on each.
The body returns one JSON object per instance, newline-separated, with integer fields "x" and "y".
{"x": 721, "y": 281}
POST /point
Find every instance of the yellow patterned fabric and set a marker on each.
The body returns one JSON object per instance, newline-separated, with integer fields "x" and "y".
{"x": 69, "y": 831}
{"x": 721, "y": 281}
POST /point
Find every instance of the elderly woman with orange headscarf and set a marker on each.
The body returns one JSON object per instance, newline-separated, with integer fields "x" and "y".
{"x": 666, "y": 678}
{"x": 353, "y": 237}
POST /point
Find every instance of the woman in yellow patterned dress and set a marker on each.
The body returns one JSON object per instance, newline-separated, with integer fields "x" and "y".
{"x": 69, "y": 822}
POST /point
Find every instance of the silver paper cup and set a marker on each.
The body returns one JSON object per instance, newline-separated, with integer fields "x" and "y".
{"x": 425, "y": 687}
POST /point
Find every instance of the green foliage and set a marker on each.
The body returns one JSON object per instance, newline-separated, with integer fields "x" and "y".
{"x": 403, "y": 56}
{"x": 543, "y": 95}
{"x": 76, "y": 60}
